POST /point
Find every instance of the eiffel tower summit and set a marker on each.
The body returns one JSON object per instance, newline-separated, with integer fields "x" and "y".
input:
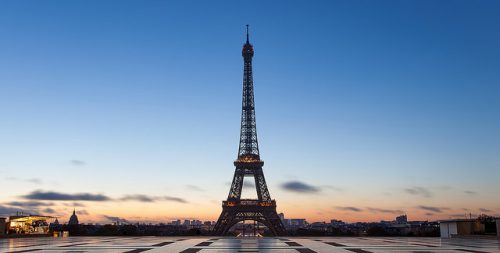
{"x": 248, "y": 164}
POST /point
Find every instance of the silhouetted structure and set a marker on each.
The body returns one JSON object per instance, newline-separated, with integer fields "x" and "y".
{"x": 3, "y": 227}
{"x": 73, "y": 220}
{"x": 248, "y": 163}
{"x": 402, "y": 219}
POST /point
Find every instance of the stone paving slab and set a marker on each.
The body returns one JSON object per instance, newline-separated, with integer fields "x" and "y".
{"x": 266, "y": 245}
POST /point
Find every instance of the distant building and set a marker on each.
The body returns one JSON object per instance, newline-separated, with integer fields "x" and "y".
{"x": 282, "y": 216}
{"x": 402, "y": 219}
{"x": 299, "y": 223}
{"x": 336, "y": 223}
{"x": 319, "y": 225}
{"x": 196, "y": 223}
{"x": 457, "y": 227}
{"x": 73, "y": 220}
{"x": 29, "y": 224}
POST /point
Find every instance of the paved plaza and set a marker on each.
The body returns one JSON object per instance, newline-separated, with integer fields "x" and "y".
{"x": 227, "y": 244}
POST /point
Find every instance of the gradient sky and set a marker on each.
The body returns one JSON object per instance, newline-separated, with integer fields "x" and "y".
{"x": 365, "y": 109}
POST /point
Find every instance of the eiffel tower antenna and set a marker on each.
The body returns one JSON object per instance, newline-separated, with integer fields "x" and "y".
{"x": 248, "y": 164}
{"x": 247, "y": 35}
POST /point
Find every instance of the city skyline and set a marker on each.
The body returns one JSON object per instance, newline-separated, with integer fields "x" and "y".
{"x": 131, "y": 110}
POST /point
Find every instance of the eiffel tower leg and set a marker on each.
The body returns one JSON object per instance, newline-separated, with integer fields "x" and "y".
{"x": 224, "y": 220}
{"x": 275, "y": 224}
{"x": 236, "y": 185}
{"x": 260, "y": 184}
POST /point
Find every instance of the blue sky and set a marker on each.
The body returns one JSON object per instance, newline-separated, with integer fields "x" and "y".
{"x": 363, "y": 100}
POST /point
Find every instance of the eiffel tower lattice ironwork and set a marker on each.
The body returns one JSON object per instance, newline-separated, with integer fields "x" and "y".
{"x": 248, "y": 164}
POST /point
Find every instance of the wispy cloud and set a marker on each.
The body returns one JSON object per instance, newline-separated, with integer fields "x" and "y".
{"x": 175, "y": 199}
{"x": 458, "y": 215}
{"x": 7, "y": 210}
{"x": 115, "y": 219}
{"x": 78, "y": 162}
{"x": 29, "y": 204}
{"x": 349, "y": 208}
{"x": 300, "y": 187}
{"x": 381, "y": 210}
{"x": 28, "y": 207}
{"x": 419, "y": 191}
{"x": 138, "y": 197}
{"x": 145, "y": 198}
{"x": 433, "y": 209}
{"x": 48, "y": 210}
{"x": 248, "y": 184}
{"x": 470, "y": 192}
{"x": 193, "y": 188}
{"x": 59, "y": 196}
{"x": 82, "y": 212}
{"x": 26, "y": 180}
{"x": 333, "y": 188}
{"x": 50, "y": 195}
{"x": 74, "y": 204}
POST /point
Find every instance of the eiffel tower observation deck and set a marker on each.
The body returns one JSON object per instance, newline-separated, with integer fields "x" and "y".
{"x": 248, "y": 164}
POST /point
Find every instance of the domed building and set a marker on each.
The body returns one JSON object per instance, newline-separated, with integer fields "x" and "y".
{"x": 73, "y": 220}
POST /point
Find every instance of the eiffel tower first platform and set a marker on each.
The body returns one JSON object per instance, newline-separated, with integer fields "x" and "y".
{"x": 248, "y": 164}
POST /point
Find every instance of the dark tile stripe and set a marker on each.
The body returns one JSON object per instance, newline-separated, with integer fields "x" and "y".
{"x": 32, "y": 245}
{"x": 389, "y": 241}
{"x": 26, "y": 250}
{"x": 137, "y": 250}
{"x": 426, "y": 245}
{"x": 190, "y": 250}
{"x": 335, "y": 244}
{"x": 464, "y": 245}
{"x": 161, "y": 244}
{"x": 204, "y": 244}
{"x": 473, "y": 251}
{"x": 74, "y": 244}
{"x": 305, "y": 250}
{"x": 293, "y": 244}
{"x": 359, "y": 250}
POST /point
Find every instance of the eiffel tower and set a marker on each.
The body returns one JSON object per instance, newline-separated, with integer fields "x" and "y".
{"x": 248, "y": 164}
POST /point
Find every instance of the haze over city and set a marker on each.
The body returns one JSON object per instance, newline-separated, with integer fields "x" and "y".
{"x": 131, "y": 110}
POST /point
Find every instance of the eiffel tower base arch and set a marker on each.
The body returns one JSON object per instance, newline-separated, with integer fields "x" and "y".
{"x": 266, "y": 215}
